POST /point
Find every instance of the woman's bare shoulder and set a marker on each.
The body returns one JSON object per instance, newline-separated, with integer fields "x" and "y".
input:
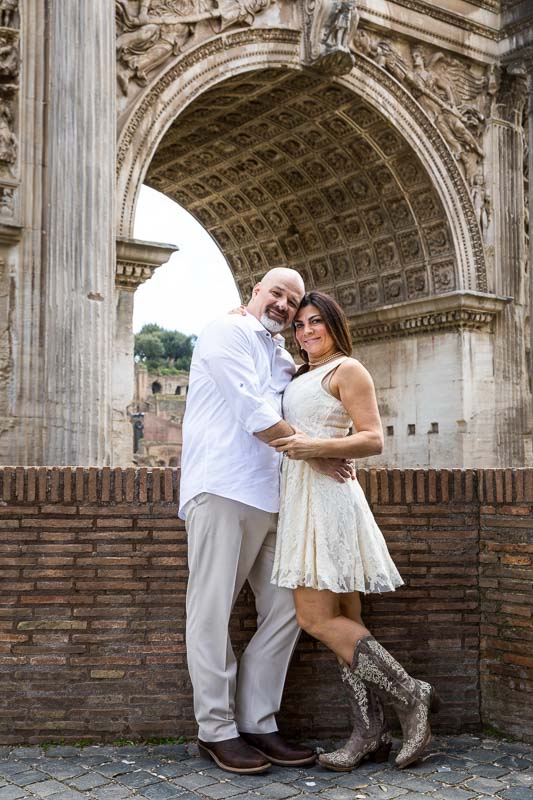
{"x": 352, "y": 368}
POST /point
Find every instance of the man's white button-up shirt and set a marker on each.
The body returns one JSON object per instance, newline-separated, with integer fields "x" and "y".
{"x": 238, "y": 374}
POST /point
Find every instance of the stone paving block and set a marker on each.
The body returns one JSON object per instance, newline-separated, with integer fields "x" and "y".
{"x": 61, "y": 770}
{"x": 174, "y": 751}
{"x": 454, "y": 793}
{"x": 196, "y": 763}
{"x": 514, "y": 762}
{"x": 27, "y": 777}
{"x": 63, "y": 751}
{"x": 450, "y": 777}
{"x": 278, "y": 791}
{"x": 9, "y": 768}
{"x": 114, "y": 768}
{"x": 354, "y": 780}
{"x": 45, "y": 788}
{"x": 311, "y": 785}
{"x": 416, "y": 785}
{"x": 137, "y": 780}
{"x": 384, "y": 792}
{"x": 12, "y": 793}
{"x": 194, "y": 780}
{"x": 90, "y": 780}
{"x": 160, "y": 791}
{"x": 26, "y": 751}
{"x": 488, "y": 771}
{"x": 67, "y": 794}
{"x": 251, "y": 782}
{"x": 517, "y": 793}
{"x": 414, "y": 796}
{"x": 194, "y": 796}
{"x": 131, "y": 750}
{"x": 339, "y": 793}
{"x": 219, "y": 791}
{"x": 111, "y": 792}
{"x": 522, "y": 778}
{"x": 484, "y": 754}
{"x": 486, "y": 785}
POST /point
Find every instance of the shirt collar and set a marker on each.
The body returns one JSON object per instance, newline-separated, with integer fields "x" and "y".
{"x": 277, "y": 338}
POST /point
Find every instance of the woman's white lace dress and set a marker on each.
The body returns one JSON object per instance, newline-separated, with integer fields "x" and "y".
{"x": 327, "y": 535}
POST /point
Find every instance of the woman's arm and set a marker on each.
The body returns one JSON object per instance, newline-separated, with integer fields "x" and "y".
{"x": 353, "y": 386}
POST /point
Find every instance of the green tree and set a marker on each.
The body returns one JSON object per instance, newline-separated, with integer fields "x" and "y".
{"x": 160, "y": 348}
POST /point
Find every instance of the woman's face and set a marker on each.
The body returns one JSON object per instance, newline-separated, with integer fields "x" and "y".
{"x": 312, "y": 334}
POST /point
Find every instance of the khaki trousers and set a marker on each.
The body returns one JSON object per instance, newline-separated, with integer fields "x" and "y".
{"x": 229, "y": 543}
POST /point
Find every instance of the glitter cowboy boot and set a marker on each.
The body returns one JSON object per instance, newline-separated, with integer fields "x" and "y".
{"x": 370, "y": 735}
{"x": 411, "y": 699}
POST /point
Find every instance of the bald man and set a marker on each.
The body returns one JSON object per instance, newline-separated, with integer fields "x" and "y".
{"x": 229, "y": 498}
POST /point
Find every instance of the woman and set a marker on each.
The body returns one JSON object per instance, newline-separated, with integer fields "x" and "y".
{"x": 329, "y": 547}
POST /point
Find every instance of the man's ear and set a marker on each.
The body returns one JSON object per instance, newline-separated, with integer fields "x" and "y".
{"x": 256, "y": 289}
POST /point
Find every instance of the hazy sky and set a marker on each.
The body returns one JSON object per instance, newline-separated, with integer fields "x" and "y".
{"x": 196, "y": 285}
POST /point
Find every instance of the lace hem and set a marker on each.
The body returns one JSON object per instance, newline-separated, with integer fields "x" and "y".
{"x": 292, "y": 579}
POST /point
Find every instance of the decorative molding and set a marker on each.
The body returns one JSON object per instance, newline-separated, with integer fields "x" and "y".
{"x": 137, "y": 261}
{"x": 200, "y": 54}
{"x": 430, "y": 10}
{"x": 10, "y": 233}
{"x": 158, "y": 31}
{"x": 454, "y": 311}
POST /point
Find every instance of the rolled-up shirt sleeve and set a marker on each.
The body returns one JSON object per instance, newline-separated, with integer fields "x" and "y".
{"x": 230, "y": 364}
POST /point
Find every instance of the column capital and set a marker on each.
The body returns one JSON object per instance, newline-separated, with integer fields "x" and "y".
{"x": 137, "y": 261}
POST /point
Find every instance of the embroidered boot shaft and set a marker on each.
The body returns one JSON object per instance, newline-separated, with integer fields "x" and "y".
{"x": 370, "y": 735}
{"x": 411, "y": 699}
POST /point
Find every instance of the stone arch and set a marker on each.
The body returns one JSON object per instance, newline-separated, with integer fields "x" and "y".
{"x": 429, "y": 255}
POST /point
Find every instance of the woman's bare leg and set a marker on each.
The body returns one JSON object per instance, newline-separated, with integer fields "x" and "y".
{"x": 320, "y": 613}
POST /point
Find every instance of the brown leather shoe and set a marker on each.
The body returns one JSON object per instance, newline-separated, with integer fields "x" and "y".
{"x": 280, "y": 752}
{"x": 234, "y": 755}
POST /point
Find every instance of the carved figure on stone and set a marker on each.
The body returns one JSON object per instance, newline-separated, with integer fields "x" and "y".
{"x": 450, "y": 93}
{"x": 8, "y": 9}
{"x": 344, "y": 18}
{"x": 8, "y": 140}
{"x": 9, "y": 61}
{"x": 481, "y": 202}
{"x": 6, "y": 201}
{"x": 329, "y": 27}
{"x": 161, "y": 28}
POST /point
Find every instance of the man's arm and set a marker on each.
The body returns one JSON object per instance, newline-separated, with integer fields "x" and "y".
{"x": 274, "y": 431}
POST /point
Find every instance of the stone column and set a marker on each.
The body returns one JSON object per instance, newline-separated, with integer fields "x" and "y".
{"x": 136, "y": 263}
{"x": 505, "y": 153}
{"x": 80, "y": 255}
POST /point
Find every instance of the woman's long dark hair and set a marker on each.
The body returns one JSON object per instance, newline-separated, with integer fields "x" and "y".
{"x": 334, "y": 320}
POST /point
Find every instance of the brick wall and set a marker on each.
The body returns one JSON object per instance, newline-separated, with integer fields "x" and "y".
{"x": 506, "y": 583}
{"x": 92, "y": 585}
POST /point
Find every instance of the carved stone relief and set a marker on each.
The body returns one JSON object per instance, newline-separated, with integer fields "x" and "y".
{"x": 8, "y": 13}
{"x": 455, "y": 95}
{"x": 328, "y": 28}
{"x": 9, "y": 74}
{"x": 337, "y": 195}
{"x": 150, "y": 32}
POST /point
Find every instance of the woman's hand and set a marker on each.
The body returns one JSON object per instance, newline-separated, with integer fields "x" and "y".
{"x": 299, "y": 446}
{"x": 240, "y": 310}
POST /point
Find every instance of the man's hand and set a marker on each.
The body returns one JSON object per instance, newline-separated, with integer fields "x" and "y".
{"x": 340, "y": 469}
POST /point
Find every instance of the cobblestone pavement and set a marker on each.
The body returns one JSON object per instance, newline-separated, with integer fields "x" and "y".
{"x": 456, "y": 768}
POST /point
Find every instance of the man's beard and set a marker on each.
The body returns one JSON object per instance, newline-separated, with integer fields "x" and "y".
{"x": 272, "y": 325}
